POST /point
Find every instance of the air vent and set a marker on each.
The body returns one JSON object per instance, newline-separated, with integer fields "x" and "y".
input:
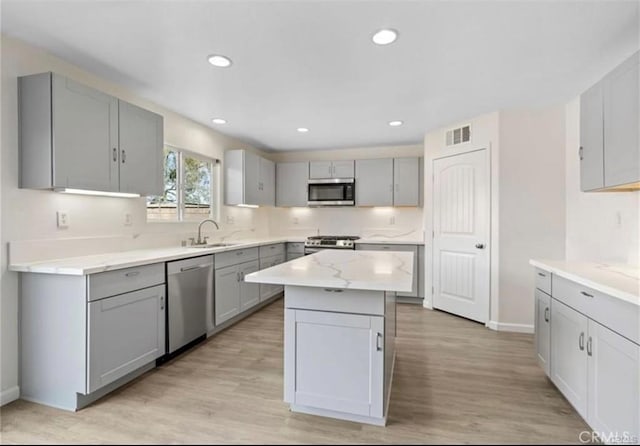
{"x": 459, "y": 135}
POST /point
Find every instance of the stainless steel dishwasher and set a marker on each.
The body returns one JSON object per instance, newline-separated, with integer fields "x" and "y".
{"x": 190, "y": 288}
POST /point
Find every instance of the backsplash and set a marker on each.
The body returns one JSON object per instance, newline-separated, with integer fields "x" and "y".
{"x": 375, "y": 222}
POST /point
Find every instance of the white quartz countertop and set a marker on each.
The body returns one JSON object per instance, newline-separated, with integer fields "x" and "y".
{"x": 355, "y": 270}
{"x": 621, "y": 281}
{"x": 92, "y": 264}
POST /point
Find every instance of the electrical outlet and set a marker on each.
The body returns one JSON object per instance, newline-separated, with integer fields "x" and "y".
{"x": 296, "y": 220}
{"x": 619, "y": 219}
{"x": 230, "y": 219}
{"x": 392, "y": 220}
{"x": 128, "y": 219}
{"x": 62, "y": 219}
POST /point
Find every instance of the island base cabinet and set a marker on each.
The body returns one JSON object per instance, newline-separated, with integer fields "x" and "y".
{"x": 335, "y": 362}
{"x": 614, "y": 385}
{"x": 126, "y": 332}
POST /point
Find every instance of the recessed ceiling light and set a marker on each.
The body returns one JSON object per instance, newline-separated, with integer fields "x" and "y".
{"x": 303, "y": 129}
{"x": 219, "y": 61}
{"x": 385, "y": 36}
{"x": 219, "y": 121}
{"x": 395, "y": 123}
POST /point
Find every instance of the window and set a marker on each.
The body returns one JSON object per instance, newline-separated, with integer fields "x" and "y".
{"x": 189, "y": 188}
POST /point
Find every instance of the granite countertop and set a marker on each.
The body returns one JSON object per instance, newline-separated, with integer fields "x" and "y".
{"x": 617, "y": 280}
{"x": 354, "y": 270}
{"x": 91, "y": 264}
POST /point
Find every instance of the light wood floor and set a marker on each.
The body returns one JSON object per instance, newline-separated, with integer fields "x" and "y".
{"x": 455, "y": 382}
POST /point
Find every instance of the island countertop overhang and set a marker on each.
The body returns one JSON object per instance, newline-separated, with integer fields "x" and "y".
{"x": 354, "y": 270}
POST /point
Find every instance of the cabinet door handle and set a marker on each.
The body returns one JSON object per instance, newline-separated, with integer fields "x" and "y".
{"x": 115, "y": 154}
{"x": 546, "y": 314}
{"x": 542, "y": 275}
{"x": 584, "y": 293}
{"x": 124, "y": 156}
{"x": 479, "y": 245}
{"x": 162, "y": 302}
{"x": 581, "y": 341}
{"x": 589, "y": 346}
{"x": 580, "y": 153}
{"x": 132, "y": 274}
{"x": 378, "y": 338}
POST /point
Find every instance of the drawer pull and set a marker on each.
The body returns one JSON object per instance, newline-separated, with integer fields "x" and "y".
{"x": 546, "y": 314}
{"x": 333, "y": 290}
{"x": 239, "y": 253}
{"x": 589, "y": 347}
{"x": 132, "y": 273}
{"x": 584, "y": 293}
{"x": 542, "y": 275}
{"x": 378, "y": 346}
{"x": 581, "y": 341}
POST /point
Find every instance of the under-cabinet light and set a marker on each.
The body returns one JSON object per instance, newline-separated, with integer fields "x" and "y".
{"x": 97, "y": 193}
{"x": 253, "y": 206}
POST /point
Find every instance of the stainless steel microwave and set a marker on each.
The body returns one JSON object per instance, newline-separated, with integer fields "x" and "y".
{"x": 332, "y": 192}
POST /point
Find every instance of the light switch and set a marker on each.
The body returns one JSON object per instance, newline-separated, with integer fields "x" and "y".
{"x": 63, "y": 219}
{"x": 128, "y": 219}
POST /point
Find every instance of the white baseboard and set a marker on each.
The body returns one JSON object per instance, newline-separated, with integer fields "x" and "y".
{"x": 515, "y": 328}
{"x": 8, "y": 395}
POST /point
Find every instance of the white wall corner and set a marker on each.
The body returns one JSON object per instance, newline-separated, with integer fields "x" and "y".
{"x": 8, "y": 395}
{"x": 513, "y": 328}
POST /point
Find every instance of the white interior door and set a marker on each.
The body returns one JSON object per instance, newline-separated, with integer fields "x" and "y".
{"x": 461, "y": 224}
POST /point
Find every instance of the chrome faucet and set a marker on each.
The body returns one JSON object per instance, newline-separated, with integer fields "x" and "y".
{"x": 200, "y": 240}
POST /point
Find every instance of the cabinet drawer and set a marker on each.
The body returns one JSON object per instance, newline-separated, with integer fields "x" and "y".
{"x": 335, "y": 299}
{"x": 543, "y": 280}
{"x": 236, "y": 256}
{"x": 121, "y": 281}
{"x": 616, "y": 314}
{"x": 271, "y": 250}
{"x": 295, "y": 248}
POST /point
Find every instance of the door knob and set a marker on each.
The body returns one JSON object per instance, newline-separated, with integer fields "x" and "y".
{"x": 480, "y": 245}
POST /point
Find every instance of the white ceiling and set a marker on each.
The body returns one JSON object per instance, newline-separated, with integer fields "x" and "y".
{"x": 312, "y": 63}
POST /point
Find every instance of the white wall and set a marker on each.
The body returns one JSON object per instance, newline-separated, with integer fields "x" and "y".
{"x": 376, "y": 222}
{"x": 601, "y": 226}
{"x": 527, "y": 202}
{"x": 31, "y": 214}
{"x": 532, "y": 204}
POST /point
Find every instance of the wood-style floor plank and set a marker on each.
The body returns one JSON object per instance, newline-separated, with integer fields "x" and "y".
{"x": 455, "y": 382}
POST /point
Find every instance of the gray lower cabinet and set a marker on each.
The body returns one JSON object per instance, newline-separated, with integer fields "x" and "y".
{"x": 81, "y": 336}
{"x": 417, "y": 269}
{"x": 125, "y": 333}
{"x": 374, "y": 182}
{"x": 595, "y": 367}
{"x": 74, "y": 136}
{"x": 291, "y": 184}
{"x": 543, "y": 330}
{"x": 268, "y": 290}
{"x": 295, "y": 250}
{"x": 233, "y": 295}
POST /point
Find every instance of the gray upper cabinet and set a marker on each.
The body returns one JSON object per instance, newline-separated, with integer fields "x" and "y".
{"x": 249, "y": 179}
{"x": 621, "y": 142}
{"x": 141, "y": 158}
{"x": 291, "y": 184}
{"x": 332, "y": 169}
{"x": 374, "y": 182}
{"x": 609, "y": 125}
{"x": 591, "y": 139}
{"x": 71, "y": 135}
{"x": 407, "y": 184}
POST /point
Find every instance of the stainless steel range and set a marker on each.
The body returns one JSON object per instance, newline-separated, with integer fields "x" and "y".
{"x": 320, "y": 242}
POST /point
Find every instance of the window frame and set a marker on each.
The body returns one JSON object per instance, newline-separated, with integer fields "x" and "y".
{"x": 214, "y": 208}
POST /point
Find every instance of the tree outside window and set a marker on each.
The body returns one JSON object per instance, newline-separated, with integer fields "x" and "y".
{"x": 188, "y": 188}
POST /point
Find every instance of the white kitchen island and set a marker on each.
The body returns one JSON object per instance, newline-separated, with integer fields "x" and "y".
{"x": 340, "y": 328}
